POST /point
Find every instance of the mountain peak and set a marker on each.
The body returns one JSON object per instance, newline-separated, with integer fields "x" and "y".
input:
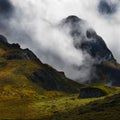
{"x": 86, "y": 39}
{"x": 72, "y": 19}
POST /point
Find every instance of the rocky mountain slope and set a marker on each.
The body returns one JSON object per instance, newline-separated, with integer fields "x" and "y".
{"x": 85, "y": 39}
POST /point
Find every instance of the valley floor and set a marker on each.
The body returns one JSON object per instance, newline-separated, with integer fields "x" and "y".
{"x": 61, "y": 106}
{"x": 67, "y": 107}
{"x": 39, "y": 109}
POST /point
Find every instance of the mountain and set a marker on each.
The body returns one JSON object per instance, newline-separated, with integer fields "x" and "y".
{"x": 23, "y": 74}
{"x": 85, "y": 39}
{"x": 30, "y": 89}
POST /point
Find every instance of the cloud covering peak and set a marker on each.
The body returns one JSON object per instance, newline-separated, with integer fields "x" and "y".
{"x": 35, "y": 24}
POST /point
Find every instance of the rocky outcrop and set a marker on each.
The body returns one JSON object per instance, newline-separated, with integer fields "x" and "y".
{"x": 90, "y": 92}
{"x": 14, "y": 52}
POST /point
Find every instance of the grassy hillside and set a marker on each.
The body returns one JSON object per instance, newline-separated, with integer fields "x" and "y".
{"x": 30, "y": 89}
{"x": 106, "y": 108}
{"x": 24, "y": 81}
{"x": 60, "y": 106}
{"x": 22, "y": 74}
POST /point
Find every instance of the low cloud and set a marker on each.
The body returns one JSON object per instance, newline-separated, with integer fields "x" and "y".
{"x": 34, "y": 24}
{"x": 6, "y": 8}
{"x": 107, "y": 7}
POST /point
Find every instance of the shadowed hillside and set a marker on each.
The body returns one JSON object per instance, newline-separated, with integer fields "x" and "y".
{"x": 22, "y": 73}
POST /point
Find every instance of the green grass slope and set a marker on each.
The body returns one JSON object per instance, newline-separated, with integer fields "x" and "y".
{"x": 30, "y": 89}
{"x": 104, "y": 108}
{"x": 23, "y": 75}
{"x": 59, "y": 106}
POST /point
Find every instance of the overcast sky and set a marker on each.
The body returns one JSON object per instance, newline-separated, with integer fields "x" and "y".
{"x": 33, "y": 24}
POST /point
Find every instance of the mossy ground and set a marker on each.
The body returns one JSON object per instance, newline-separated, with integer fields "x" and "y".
{"x": 104, "y": 109}
{"x": 40, "y": 107}
{"x": 54, "y": 105}
{"x": 21, "y": 98}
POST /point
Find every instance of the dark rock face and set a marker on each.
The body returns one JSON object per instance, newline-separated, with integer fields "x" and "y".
{"x": 88, "y": 40}
{"x": 90, "y": 33}
{"x": 97, "y": 49}
{"x": 16, "y": 52}
{"x": 91, "y": 93}
{"x": 72, "y": 19}
{"x": 16, "y": 46}
{"x": 73, "y": 22}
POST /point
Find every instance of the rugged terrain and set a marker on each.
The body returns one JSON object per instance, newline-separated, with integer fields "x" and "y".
{"x": 30, "y": 89}
{"x": 20, "y": 68}
{"x": 25, "y": 81}
{"x": 85, "y": 39}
